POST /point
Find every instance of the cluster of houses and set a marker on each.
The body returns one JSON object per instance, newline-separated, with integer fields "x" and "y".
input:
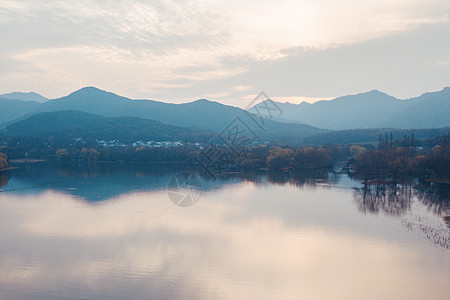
{"x": 112, "y": 143}
{"x": 149, "y": 144}
{"x": 153, "y": 144}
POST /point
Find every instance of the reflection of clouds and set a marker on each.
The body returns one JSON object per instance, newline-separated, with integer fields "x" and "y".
{"x": 139, "y": 245}
{"x": 89, "y": 181}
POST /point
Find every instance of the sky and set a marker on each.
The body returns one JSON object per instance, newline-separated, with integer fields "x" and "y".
{"x": 226, "y": 51}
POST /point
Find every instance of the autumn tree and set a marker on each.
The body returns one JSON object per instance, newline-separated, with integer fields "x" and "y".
{"x": 62, "y": 154}
{"x": 310, "y": 158}
{"x": 89, "y": 154}
{"x": 279, "y": 158}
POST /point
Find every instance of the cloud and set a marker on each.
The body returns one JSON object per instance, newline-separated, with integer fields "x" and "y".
{"x": 441, "y": 63}
{"x": 402, "y": 65}
{"x": 142, "y": 46}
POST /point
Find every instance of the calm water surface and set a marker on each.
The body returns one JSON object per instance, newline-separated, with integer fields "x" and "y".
{"x": 112, "y": 232}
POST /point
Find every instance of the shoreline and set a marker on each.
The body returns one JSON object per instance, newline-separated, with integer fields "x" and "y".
{"x": 8, "y": 169}
{"x": 25, "y": 161}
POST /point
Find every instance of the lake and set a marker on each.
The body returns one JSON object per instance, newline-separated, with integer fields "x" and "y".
{"x": 158, "y": 232}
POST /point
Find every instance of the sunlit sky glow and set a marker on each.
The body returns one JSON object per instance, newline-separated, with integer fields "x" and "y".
{"x": 227, "y": 51}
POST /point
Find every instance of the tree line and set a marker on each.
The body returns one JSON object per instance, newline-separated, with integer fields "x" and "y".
{"x": 393, "y": 159}
{"x": 390, "y": 159}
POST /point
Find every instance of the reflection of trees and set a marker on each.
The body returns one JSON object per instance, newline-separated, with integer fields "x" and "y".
{"x": 435, "y": 196}
{"x": 3, "y": 179}
{"x": 299, "y": 179}
{"x": 396, "y": 200}
{"x": 91, "y": 170}
{"x": 309, "y": 179}
{"x": 390, "y": 199}
{"x": 94, "y": 170}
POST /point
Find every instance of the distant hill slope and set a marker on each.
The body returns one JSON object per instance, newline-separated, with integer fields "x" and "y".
{"x": 352, "y": 136}
{"x": 430, "y": 110}
{"x": 200, "y": 115}
{"x": 373, "y": 109}
{"x": 74, "y": 124}
{"x": 25, "y": 97}
{"x": 80, "y": 124}
{"x": 11, "y": 109}
{"x": 368, "y": 110}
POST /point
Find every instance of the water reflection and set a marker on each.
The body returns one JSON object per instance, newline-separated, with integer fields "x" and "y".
{"x": 250, "y": 236}
{"x": 4, "y": 178}
{"x": 436, "y": 197}
{"x": 135, "y": 247}
{"x": 100, "y": 182}
{"x": 392, "y": 200}
{"x": 396, "y": 199}
{"x": 87, "y": 180}
{"x": 309, "y": 179}
{"x": 426, "y": 217}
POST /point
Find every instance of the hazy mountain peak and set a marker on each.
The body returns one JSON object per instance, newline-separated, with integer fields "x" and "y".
{"x": 202, "y": 101}
{"x": 375, "y": 92}
{"x": 92, "y": 95}
{"x": 372, "y": 93}
{"x": 205, "y": 102}
{"x": 31, "y": 96}
{"x": 373, "y": 96}
{"x": 89, "y": 90}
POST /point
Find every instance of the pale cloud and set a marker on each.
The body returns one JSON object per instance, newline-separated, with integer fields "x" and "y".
{"x": 242, "y": 88}
{"x": 138, "y": 48}
{"x": 441, "y": 63}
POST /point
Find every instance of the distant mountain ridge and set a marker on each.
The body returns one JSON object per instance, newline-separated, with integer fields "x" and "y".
{"x": 74, "y": 124}
{"x": 371, "y": 135}
{"x": 24, "y": 97}
{"x": 69, "y": 124}
{"x": 201, "y": 115}
{"x": 372, "y": 109}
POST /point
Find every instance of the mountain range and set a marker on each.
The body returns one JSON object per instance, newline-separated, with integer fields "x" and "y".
{"x": 96, "y": 111}
{"x": 198, "y": 116}
{"x": 373, "y": 109}
{"x": 71, "y": 123}
{"x": 24, "y": 96}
